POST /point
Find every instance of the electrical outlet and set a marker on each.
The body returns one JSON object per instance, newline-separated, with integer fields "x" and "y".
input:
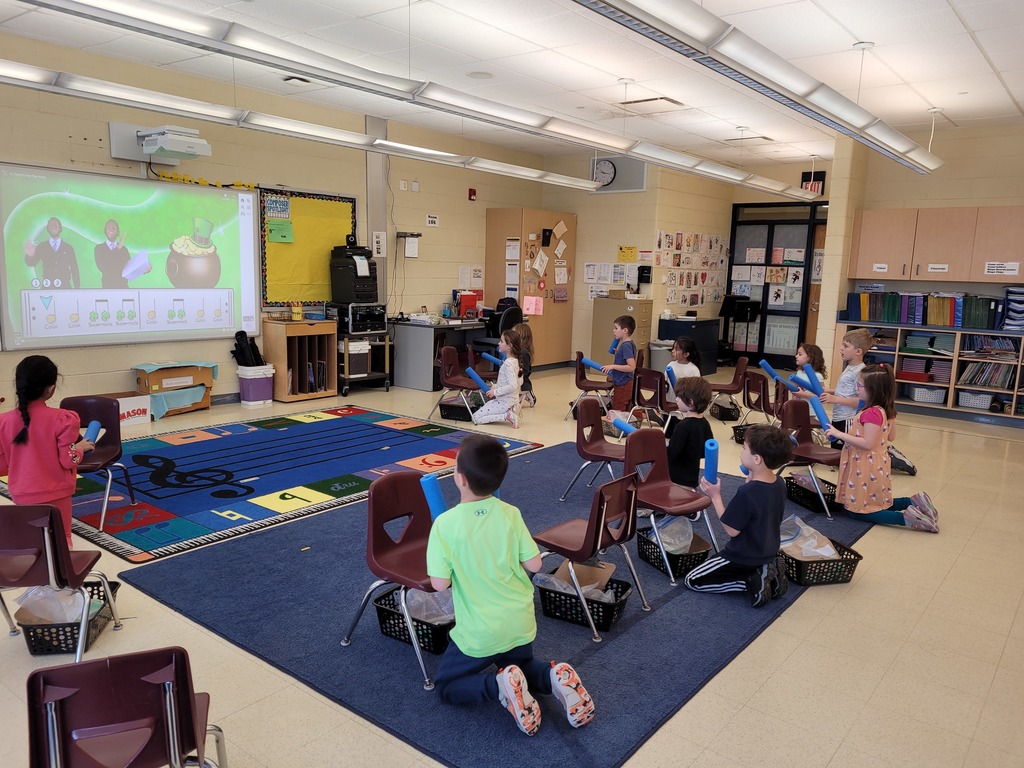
{"x": 415, "y": 186}
{"x": 403, "y": 185}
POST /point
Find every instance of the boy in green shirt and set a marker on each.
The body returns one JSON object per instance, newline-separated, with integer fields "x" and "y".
{"x": 482, "y": 549}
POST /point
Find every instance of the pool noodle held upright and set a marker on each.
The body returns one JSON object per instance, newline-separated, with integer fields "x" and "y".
{"x": 432, "y": 492}
{"x": 484, "y": 387}
{"x": 819, "y": 411}
{"x": 671, "y": 376}
{"x": 766, "y": 366}
{"x": 613, "y": 347}
{"x": 711, "y": 461}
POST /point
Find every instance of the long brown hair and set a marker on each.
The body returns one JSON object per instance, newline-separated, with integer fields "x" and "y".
{"x": 816, "y": 358}
{"x": 880, "y": 388}
{"x": 526, "y": 337}
{"x": 515, "y": 343}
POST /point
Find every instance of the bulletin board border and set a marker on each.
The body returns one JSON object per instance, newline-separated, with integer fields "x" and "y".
{"x": 264, "y": 192}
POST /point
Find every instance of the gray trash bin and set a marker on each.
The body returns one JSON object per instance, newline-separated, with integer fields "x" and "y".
{"x": 661, "y": 354}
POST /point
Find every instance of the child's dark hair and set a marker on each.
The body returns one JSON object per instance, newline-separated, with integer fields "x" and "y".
{"x": 770, "y": 443}
{"x": 688, "y": 347}
{"x": 525, "y": 336}
{"x": 695, "y": 392}
{"x": 33, "y": 376}
{"x": 880, "y": 388}
{"x": 625, "y": 321}
{"x": 815, "y": 358}
{"x": 483, "y": 461}
{"x": 514, "y": 341}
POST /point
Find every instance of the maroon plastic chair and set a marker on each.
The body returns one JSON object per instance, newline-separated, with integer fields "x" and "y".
{"x": 782, "y": 395}
{"x": 647, "y": 386}
{"x": 667, "y": 402}
{"x": 34, "y": 552}
{"x": 796, "y": 419}
{"x": 612, "y": 522}
{"x": 735, "y": 386}
{"x": 647, "y": 456}
{"x": 592, "y": 445}
{"x": 107, "y": 453}
{"x": 400, "y": 559}
{"x": 452, "y": 380}
{"x": 137, "y": 710}
{"x": 757, "y": 396}
{"x": 483, "y": 369}
{"x": 600, "y": 390}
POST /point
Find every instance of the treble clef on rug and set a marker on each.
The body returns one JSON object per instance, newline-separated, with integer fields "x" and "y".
{"x": 165, "y": 474}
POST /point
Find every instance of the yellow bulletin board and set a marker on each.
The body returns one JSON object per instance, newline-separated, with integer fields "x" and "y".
{"x": 298, "y": 230}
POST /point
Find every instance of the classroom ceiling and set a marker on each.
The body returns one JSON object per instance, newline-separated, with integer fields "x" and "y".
{"x": 562, "y": 59}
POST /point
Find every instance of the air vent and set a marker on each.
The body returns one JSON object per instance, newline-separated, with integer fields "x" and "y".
{"x": 750, "y": 141}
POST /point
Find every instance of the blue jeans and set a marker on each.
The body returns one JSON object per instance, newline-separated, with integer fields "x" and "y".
{"x": 461, "y": 679}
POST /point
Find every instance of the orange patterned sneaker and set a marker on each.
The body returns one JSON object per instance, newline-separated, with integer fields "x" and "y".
{"x": 567, "y": 688}
{"x": 515, "y": 697}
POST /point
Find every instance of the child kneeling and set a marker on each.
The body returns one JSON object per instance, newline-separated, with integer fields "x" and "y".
{"x": 482, "y": 549}
{"x": 749, "y": 561}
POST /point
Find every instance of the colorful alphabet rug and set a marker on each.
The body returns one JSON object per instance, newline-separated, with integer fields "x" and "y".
{"x": 200, "y": 486}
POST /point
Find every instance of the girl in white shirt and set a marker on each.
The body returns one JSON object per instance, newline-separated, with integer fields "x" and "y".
{"x": 503, "y": 396}
{"x": 685, "y": 358}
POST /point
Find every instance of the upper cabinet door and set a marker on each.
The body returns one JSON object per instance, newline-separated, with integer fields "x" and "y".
{"x": 998, "y": 245}
{"x": 944, "y": 244}
{"x": 883, "y": 244}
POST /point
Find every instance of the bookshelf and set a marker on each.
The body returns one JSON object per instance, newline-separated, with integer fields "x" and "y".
{"x": 966, "y": 371}
{"x": 304, "y": 356}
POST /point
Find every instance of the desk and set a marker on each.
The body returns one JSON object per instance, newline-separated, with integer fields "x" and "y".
{"x": 415, "y": 345}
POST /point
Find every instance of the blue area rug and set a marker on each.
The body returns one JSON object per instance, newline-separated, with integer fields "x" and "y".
{"x": 200, "y": 486}
{"x": 288, "y": 594}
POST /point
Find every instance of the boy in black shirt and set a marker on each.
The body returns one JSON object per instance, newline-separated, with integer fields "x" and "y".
{"x": 752, "y": 519}
{"x": 692, "y": 431}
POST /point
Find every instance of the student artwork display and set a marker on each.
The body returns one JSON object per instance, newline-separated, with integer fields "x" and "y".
{"x": 693, "y": 267}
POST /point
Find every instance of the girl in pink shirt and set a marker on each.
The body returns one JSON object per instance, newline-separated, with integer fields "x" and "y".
{"x": 39, "y": 446}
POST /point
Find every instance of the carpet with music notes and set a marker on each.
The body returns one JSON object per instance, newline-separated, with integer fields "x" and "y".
{"x": 206, "y": 485}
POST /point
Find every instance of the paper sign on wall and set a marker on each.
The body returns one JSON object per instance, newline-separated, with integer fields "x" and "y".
{"x": 533, "y": 305}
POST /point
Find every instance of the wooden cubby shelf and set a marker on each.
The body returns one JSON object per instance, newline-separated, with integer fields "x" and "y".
{"x": 305, "y": 358}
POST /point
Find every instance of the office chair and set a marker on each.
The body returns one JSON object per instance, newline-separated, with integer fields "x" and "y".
{"x": 497, "y": 324}
{"x": 34, "y": 552}
{"x": 136, "y": 710}
{"x": 401, "y": 559}
{"x": 107, "y": 453}
{"x": 612, "y": 522}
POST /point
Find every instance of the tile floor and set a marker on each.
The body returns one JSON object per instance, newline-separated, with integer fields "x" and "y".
{"x": 918, "y": 662}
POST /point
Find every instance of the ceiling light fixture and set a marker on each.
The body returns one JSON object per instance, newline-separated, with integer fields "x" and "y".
{"x": 240, "y": 42}
{"x": 702, "y": 37}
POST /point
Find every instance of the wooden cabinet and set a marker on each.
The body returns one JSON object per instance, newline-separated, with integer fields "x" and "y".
{"x": 605, "y": 312}
{"x": 998, "y": 245}
{"x": 883, "y": 244}
{"x": 304, "y": 356}
{"x": 944, "y": 244}
{"x": 949, "y": 369}
{"x": 521, "y": 237}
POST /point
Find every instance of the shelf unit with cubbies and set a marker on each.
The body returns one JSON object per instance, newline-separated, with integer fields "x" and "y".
{"x": 951, "y": 369}
{"x": 305, "y": 358}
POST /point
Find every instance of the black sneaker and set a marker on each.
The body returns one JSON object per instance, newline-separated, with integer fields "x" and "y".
{"x": 757, "y": 586}
{"x": 778, "y": 583}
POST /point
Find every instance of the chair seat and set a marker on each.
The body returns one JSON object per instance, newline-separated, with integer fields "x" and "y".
{"x": 594, "y": 386}
{"x": 671, "y": 499}
{"x": 404, "y": 565}
{"x": 817, "y": 454}
{"x": 82, "y": 562}
{"x": 98, "y": 458}
{"x": 564, "y": 538}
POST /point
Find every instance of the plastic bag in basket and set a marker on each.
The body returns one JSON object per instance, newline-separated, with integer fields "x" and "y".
{"x": 676, "y": 534}
{"x": 802, "y": 542}
{"x": 431, "y": 607}
{"x": 45, "y": 605}
{"x": 595, "y": 594}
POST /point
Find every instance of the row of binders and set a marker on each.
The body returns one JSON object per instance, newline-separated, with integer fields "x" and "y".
{"x": 952, "y": 310}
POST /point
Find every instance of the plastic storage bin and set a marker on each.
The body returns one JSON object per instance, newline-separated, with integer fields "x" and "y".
{"x": 566, "y": 606}
{"x": 46, "y": 639}
{"x": 680, "y": 564}
{"x": 809, "y": 573}
{"x": 256, "y": 385}
{"x": 433, "y": 638}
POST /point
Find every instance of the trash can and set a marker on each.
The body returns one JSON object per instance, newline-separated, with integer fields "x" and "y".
{"x": 661, "y": 354}
{"x": 256, "y": 385}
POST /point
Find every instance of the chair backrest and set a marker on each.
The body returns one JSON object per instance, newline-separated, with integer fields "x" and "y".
{"x": 740, "y": 372}
{"x": 503, "y": 319}
{"x": 583, "y": 381}
{"x": 591, "y": 442}
{"x": 105, "y": 410}
{"x": 640, "y": 357}
{"x": 450, "y": 374}
{"x": 137, "y": 710}
{"x": 666, "y": 397}
{"x": 796, "y": 419}
{"x": 34, "y": 548}
{"x": 399, "y": 557}
{"x": 756, "y": 394}
{"x": 647, "y": 456}
{"x": 781, "y": 397}
{"x": 647, "y": 384}
{"x": 615, "y": 503}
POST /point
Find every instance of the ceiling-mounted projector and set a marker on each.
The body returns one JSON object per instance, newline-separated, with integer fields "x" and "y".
{"x": 174, "y": 141}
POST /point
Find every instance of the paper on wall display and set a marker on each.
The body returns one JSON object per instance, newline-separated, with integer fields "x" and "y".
{"x": 476, "y": 278}
{"x": 465, "y": 276}
{"x": 561, "y": 294}
{"x": 560, "y": 248}
{"x": 540, "y": 264}
{"x": 632, "y": 274}
{"x": 512, "y": 248}
{"x": 533, "y": 305}
{"x": 645, "y": 257}
{"x": 618, "y": 274}
{"x": 512, "y": 291}
{"x": 412, "y": 247}
{"x": 512, "y": 272}
{"x": 560, "y": 229}
{"x": 604, "y": 273}
{"x": 280, "y": 231}
{"x": 561, "y": 275}
{"x": 627, "y": 253}
{"x": 362, "y": 266}
{"x": 755, "y": 255}
{"x": 590, "y": 272}
{"x": 740, "y": 273}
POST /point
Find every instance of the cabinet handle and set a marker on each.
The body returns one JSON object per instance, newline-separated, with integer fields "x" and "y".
{"x": 904, "y": 271}
{"x": 917, "y": 270}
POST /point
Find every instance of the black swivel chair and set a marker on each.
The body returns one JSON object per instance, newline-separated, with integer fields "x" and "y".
{"x": 497, "y": 324}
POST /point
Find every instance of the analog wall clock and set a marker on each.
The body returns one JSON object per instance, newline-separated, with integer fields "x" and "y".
{"x": 604, "y": 172}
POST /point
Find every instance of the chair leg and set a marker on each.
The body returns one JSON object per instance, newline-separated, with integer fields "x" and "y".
{"x": 106, "y": 495}
{"x": 437, "y": 405}
{"x": 598, "y": 472}
{"x": 110, "y": 598}
{"x": 218, "y": 740}
{"x": 127, "y": 481}
{"x": 83, "y": 624}
{"x": 347, "y": 639}
{"x": 428, "y": 684}
{"x": 573, "y": 405}
{"x": 711, "y": 531}
{"x": 636, "y": 579}
{"x": 661, "y": 549}
{"x": 7, "y": 615}
{"x": 586, "y": 611}
{"x": 817, "y": 487}
{"x": 574, "y": 479}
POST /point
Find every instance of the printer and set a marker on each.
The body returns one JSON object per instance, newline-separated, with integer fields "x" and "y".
{"x": 354, "y": 291}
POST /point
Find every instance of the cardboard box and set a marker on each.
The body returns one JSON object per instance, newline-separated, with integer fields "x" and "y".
{"x": 133, "y": 407}
{"x": 587, "y": 574}
{"x": 173, "y": 377}
{"x": 616, "y": 293}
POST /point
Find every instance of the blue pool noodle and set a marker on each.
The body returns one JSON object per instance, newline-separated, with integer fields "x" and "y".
{"x": 812, "y": 377}
{"x": 772, "y": 372}
{"x": 432, "y": 490}
{"x": 744, "y": 470}
{"x": 613, "y": 347}
{"x": 671, "y": 376}
{"x": 622, "y": 425}
{"x": 92, "y": 432}
{"x": 801, "y": 382}
{"x": 479, "y": 382}
{"x": 819, "y": 411}
{"x": 491, "y": 358}
{"x": 591, "y": 364}
{"x": 711, "y": 461}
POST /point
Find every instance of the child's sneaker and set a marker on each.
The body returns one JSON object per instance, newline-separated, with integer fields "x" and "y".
{"x": 758, "y": 586}
{"x": 924, "y": 504}
{"x": 529, "y": 398}
{"x": 567, "y": 688}
{"x": 778, "y": 582}
{"x": 515, "y": 697}
{"x": 918, "y": 520}
{"x": 512, "y": 417}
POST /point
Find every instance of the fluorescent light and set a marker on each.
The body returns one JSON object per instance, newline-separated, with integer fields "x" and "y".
{"x": 439, "y": 96}
{"x": 889, "y": 136}
{"x": 708, "y": 168}
{"x": 749, "y": 53}
{"x": 299, "y": 129}
{"x": 692, "y": 20}
{"x": 663, "y": 155}
{"x": 925, "y": 158}
{"x": 570, "y": 181}
{"x": 590, "y": 136}
{"x": 768, "y": 185}
{"x": 24, "y": 73}
{"x": 132, "y": 14}
{"x": 801, "y": 193}
{"x": 841, "y": 107}
{"x": 505, "y": 169}
{"x": 126, "y": 94}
